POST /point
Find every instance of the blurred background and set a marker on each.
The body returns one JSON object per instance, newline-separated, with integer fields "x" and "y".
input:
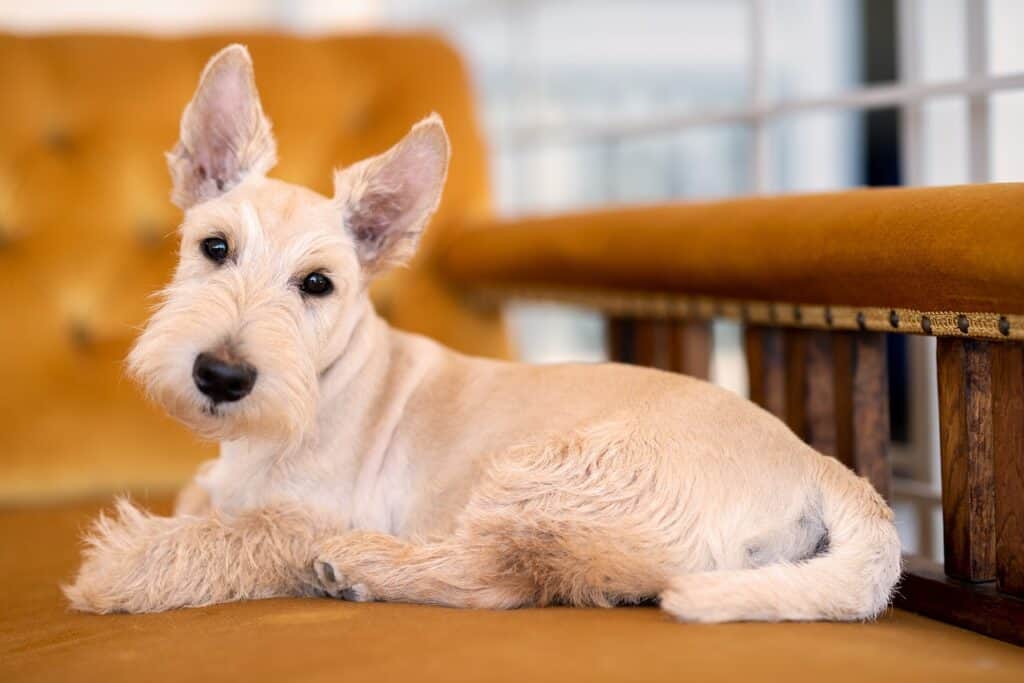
{"x": 585, "y": 103}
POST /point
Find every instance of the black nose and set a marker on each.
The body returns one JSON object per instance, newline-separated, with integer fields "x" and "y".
{"x": 220, "y": 380}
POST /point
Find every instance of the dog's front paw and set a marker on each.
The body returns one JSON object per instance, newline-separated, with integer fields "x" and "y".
{"x": 117, "y": 567}
{"x": 134, "y": 562}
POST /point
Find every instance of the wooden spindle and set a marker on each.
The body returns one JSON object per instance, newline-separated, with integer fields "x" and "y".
{"x": 766, "y": 368}
{"x": 965, "y": 421}
{"x": 652, "y": 342}
{"x": 1008, "y": 471}
{"x": 839, "y": 403}
{"x": 619, "y": 337}
{"x": 794, "y": 344}
{"x": 646, "y": 342}
{"x": 820, "y": 399}
{"x": 869, "y": 410}
{"x": 689, "y": 349}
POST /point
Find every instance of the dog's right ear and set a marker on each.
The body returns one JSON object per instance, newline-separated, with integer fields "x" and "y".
{"x": 224, "y": 134}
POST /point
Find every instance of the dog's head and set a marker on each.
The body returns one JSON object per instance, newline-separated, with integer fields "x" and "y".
{"x": 272, "y": 277}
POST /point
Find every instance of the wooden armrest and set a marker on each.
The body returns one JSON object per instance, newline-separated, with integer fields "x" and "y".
{"x": 931, "y": 249}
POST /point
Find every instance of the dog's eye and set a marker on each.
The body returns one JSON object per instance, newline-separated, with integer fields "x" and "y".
{"x": 316, "y": 284}
{"x": 215, "y": 248}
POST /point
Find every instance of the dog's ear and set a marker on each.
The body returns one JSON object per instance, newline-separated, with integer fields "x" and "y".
{"x": 224, "y": 134}
{"x": 387, "y": 200}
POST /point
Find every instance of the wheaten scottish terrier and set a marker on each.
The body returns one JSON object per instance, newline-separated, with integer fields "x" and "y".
{"x": 368, "y": 464}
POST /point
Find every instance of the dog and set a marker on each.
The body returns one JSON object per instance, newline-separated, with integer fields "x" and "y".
{"x": 364, "y": 463}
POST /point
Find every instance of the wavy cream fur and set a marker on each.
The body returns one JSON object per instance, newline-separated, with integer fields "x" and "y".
{"x": 372, "y": 464}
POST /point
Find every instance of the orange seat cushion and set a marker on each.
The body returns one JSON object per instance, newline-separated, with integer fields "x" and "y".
{"x": 326, "y": 640}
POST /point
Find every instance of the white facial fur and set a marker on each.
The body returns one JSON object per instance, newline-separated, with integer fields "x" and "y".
{"x": 250, "y": 308}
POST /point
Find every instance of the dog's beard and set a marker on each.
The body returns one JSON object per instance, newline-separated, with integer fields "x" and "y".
{"x": 281, "y": 407}
{"x": 278, "y": 411}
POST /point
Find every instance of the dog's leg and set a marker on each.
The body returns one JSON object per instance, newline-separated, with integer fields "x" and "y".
{"x": 578, "y": 520}
{"x": 138, "y": 562}
{"x": 363, "y": 566}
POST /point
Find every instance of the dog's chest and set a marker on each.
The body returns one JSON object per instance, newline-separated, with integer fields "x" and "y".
{"x": 250, "y": 476}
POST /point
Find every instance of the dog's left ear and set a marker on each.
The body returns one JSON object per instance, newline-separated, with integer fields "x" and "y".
{"x": 387, "y": 200}
{"x": 224, "y": 133}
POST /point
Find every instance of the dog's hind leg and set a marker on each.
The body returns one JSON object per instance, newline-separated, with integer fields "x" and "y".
{"x": 364, "y": 566}
{"x": 502, "y": 560}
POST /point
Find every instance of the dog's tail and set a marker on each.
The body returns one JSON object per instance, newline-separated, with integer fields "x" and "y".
{"x": 853, "y": 579}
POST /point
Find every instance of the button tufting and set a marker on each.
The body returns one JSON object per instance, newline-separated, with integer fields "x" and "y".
{"x": 359, "y": 118}
{"x": 59, "y": 140}
{"x": 81, "y": 334}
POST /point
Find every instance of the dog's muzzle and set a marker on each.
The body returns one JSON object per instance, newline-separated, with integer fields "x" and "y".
{"x": 221, "y": 380}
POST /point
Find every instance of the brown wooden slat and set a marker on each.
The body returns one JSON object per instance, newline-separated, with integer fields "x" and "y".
{"x": 645, "y": 340}
{"x": 690, "y": 348}
{"x": 870, "y": 411}
{"x": 794, "y": 348}
{"x": 619, "y": 337}
{"x": 862, "y": 406}
{"x": 1008, "y": 473}
{"x": 965, "y": 421}
{"x": 842, "y": 363}
{"x": 820, "y": 392}
{"x": 653, "y": 339}
{"x": 766, "y": 368}
{"x": 925, "y": 589}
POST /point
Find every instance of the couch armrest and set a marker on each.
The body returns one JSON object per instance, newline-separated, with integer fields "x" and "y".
{"x": 947, "y": 249}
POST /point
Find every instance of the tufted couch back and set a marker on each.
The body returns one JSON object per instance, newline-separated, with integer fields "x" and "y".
{"x": 87, "y": 231}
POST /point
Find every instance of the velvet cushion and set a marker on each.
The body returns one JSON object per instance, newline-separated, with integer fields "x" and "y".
{"x": 326, "y": 640}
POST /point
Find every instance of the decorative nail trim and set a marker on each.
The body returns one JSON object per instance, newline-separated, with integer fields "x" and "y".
{"x": 980, "y": 325}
